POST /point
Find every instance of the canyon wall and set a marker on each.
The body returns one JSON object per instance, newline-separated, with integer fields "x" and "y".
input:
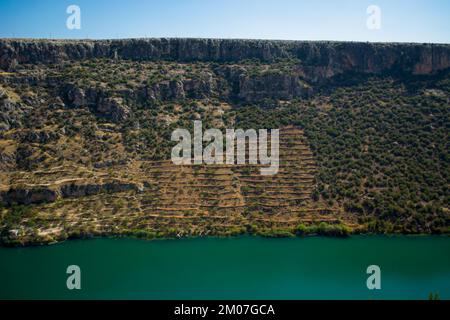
{"x": 319, "y": 59}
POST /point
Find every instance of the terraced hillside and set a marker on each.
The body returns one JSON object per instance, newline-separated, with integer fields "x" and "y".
{"x": 85, "y": 138}
{"x": 157, "y": 198}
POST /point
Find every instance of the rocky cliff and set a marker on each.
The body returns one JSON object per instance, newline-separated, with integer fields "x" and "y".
{"x": 318, "y": 59}
{"x": 70, "y": 189}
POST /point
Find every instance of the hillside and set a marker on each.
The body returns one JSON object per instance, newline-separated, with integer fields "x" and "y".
{"x": 85, "y": 132}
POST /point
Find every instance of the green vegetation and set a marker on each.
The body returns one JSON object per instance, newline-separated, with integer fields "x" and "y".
{"x": 372, "y": 151}
{"x": 381, "y": 147}
{"x": 324, "y": 229}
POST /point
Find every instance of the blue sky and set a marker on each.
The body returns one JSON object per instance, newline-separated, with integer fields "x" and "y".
{"x": 401, "y": 20}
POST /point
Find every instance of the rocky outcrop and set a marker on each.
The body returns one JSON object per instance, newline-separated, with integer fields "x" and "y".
{"x": 45, "y": 194}
{"x": 319, "y": 59}
{"x": 28, "y": 196}
{"x": 11, "y": 112}
{"x": 113, "y": 108}
{"x": 76, "y": 97}
{"x": 204, "y": 85}
{"x": 271, "y": 85}
{"x": 166, "y": 90}
{"x": 98, "y": 100}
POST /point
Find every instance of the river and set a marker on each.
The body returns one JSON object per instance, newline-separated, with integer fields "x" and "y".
{"x": 230, "y": 268}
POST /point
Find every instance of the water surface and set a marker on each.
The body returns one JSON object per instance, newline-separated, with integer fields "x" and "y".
{"x": 231, "y": 268}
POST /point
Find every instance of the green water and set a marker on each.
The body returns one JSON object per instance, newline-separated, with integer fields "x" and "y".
{"x": 235, "y": 268}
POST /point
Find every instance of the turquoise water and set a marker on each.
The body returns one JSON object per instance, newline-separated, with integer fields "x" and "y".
{"x": 231, "y": 268}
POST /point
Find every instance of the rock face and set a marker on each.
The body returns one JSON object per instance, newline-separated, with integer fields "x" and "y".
{"x": 28, "y": 196}
{"x": 319, "y": 59}
{"x": 276, "y": 86}
{"x": 311, "y": 64}
{"x": 36, "y": 195}
{"x": 114, "y": 109}
{"x": 98, "y": 101}
{"x": 203, "y": 87}
{"x": 76, "y": 97}
{"x": 11, "y": 112}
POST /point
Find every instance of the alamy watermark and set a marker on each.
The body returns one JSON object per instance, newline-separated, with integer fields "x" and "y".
{"x": 73, "y": 21}
{"x": 374, "y": 20}
{"x": 214, "y": 153}
{"x": 74, "y": 280}
{"x": 374, "y": 280}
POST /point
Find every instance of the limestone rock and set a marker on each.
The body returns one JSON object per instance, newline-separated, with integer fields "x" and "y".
{"x": 113, "y": 108}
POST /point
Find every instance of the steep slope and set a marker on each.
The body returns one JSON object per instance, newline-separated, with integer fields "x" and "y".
{"x": 85, "y": 137}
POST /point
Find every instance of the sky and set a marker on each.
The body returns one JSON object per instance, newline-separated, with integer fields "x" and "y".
{"x": 341, "y": 20}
